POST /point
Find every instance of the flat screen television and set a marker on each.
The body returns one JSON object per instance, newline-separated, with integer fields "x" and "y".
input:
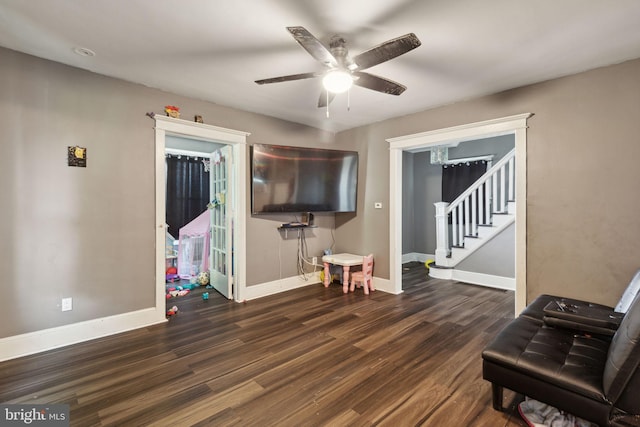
{"x": 297, "y": 179}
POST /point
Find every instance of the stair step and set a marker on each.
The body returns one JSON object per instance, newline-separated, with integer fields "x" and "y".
{"x": 441, "y": 267}
{"x": 501, "y": 215}
{"x": 472, "y": 242}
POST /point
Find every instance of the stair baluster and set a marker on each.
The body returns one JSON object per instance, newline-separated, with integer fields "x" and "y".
{"x": 489, "y": 195}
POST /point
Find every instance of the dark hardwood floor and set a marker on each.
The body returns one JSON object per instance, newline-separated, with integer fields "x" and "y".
{"x": 307, "y": 357}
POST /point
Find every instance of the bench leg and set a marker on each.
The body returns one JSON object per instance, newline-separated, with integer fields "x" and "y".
{"x": 496, "y": 392}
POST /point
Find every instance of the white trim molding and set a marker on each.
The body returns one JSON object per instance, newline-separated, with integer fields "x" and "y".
{"x": 281, "y": 285}
{"x": 416, "y": 257}
{"x": 471, "y": 277}
{"x": 289, "y": 283}
{"x": 461, "y": 133}
{"x": 48, "y": 339}
{"x": 238, "y": 141}
{"x": 512, "y": 125}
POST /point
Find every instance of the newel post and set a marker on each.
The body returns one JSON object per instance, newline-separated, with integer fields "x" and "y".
{"x": 442, "y": 233}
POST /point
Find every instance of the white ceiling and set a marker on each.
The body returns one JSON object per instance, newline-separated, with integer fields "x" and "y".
{"x": 215, "y": 49}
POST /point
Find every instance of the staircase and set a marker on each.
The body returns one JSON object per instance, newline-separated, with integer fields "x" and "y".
{"x": 481, "y": 212}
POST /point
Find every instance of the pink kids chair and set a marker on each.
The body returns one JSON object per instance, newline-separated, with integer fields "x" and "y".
{"x": 364, "y": 277}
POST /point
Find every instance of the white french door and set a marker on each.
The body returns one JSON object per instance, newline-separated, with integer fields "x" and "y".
{"x": 221, "y": 211}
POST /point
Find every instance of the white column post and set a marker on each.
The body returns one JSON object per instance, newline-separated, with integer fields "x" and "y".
{"x": 442, "y": 233}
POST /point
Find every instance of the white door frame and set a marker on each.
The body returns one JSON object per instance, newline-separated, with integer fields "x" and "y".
{"x": 516, "y": 125}
{"x": 238, "y": 141}
{"x": 222, "y": 283}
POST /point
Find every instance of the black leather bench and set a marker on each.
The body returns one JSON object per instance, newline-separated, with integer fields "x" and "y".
{"x": 591, "y": 375}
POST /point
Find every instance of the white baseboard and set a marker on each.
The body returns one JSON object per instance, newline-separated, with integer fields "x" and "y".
{"x": 289, "y": 283}
{"x": 61, "y": 336}
{"x": 441, "y": 273}
{"x": 416, "y": 256}
{"x": 384, "y": 285}
{"x": 488, "y": 280}
{"x": 281, "y": 285}
{"x": 49, "y": 339}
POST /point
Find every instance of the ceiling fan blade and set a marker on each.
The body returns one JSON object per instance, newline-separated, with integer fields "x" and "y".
{"x": 322, "y": 101}
{"x": 379, "y": 84}
{"x": 386, "y": 51}
{"x": 288, "y": 78}
{"x": 313, "y": 46}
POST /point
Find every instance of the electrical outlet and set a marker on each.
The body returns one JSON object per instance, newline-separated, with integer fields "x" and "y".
{"x": 314, "y": 260}
{"x": 67, "y": 304}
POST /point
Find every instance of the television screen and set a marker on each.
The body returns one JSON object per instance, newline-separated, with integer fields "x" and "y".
{"x": 296, "y": 179}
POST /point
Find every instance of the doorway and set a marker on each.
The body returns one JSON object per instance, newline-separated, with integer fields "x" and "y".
{"x": 236, "y": 142}
{"x": 190, "y": 190}
{"x": 515, "y": 125}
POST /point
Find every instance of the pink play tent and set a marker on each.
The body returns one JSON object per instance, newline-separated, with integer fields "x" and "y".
{"x": 193, "y": 250}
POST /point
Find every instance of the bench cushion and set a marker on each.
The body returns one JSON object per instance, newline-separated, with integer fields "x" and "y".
{"x": 565, "y": 359}
{"x": 535, "y": 310}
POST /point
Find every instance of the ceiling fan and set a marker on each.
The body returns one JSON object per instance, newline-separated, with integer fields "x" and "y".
{"x": 344, "y": 71}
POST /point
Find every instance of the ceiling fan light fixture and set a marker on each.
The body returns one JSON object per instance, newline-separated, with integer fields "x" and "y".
{"x": 337, "y": 81}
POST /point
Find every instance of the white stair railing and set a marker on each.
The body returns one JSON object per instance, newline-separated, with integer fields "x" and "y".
{"x": 475, "y": 207}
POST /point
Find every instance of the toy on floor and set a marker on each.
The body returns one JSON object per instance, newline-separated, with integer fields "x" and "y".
{"x": 177, "y": 293}
{"x": 203, "y": 278}
{"x": 172, "y": 311}
{"x": 172, "y": 274}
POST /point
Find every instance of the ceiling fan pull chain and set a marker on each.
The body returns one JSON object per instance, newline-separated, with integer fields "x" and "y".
{"x": 349, "y": 99}
{"x": 327, "y": 103}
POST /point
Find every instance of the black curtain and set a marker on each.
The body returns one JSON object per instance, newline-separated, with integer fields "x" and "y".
{"x": 459, "y": 177}
{"x": 187, "y": 191}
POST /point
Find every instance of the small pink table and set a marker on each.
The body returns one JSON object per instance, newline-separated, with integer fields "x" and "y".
{"x": 346, "y": 261}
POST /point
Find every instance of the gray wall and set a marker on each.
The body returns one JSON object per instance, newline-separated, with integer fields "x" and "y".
{"x": 408, "y": 207}
{"x": 497, "y": 145}
{"x": 583, "y": 232}
{"x": 427, "y": 190}
{"x": 88, "y": 233}
{"x": 497, "y": 257}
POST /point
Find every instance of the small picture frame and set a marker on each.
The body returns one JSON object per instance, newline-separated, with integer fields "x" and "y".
{"x": 77, "y": 156}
